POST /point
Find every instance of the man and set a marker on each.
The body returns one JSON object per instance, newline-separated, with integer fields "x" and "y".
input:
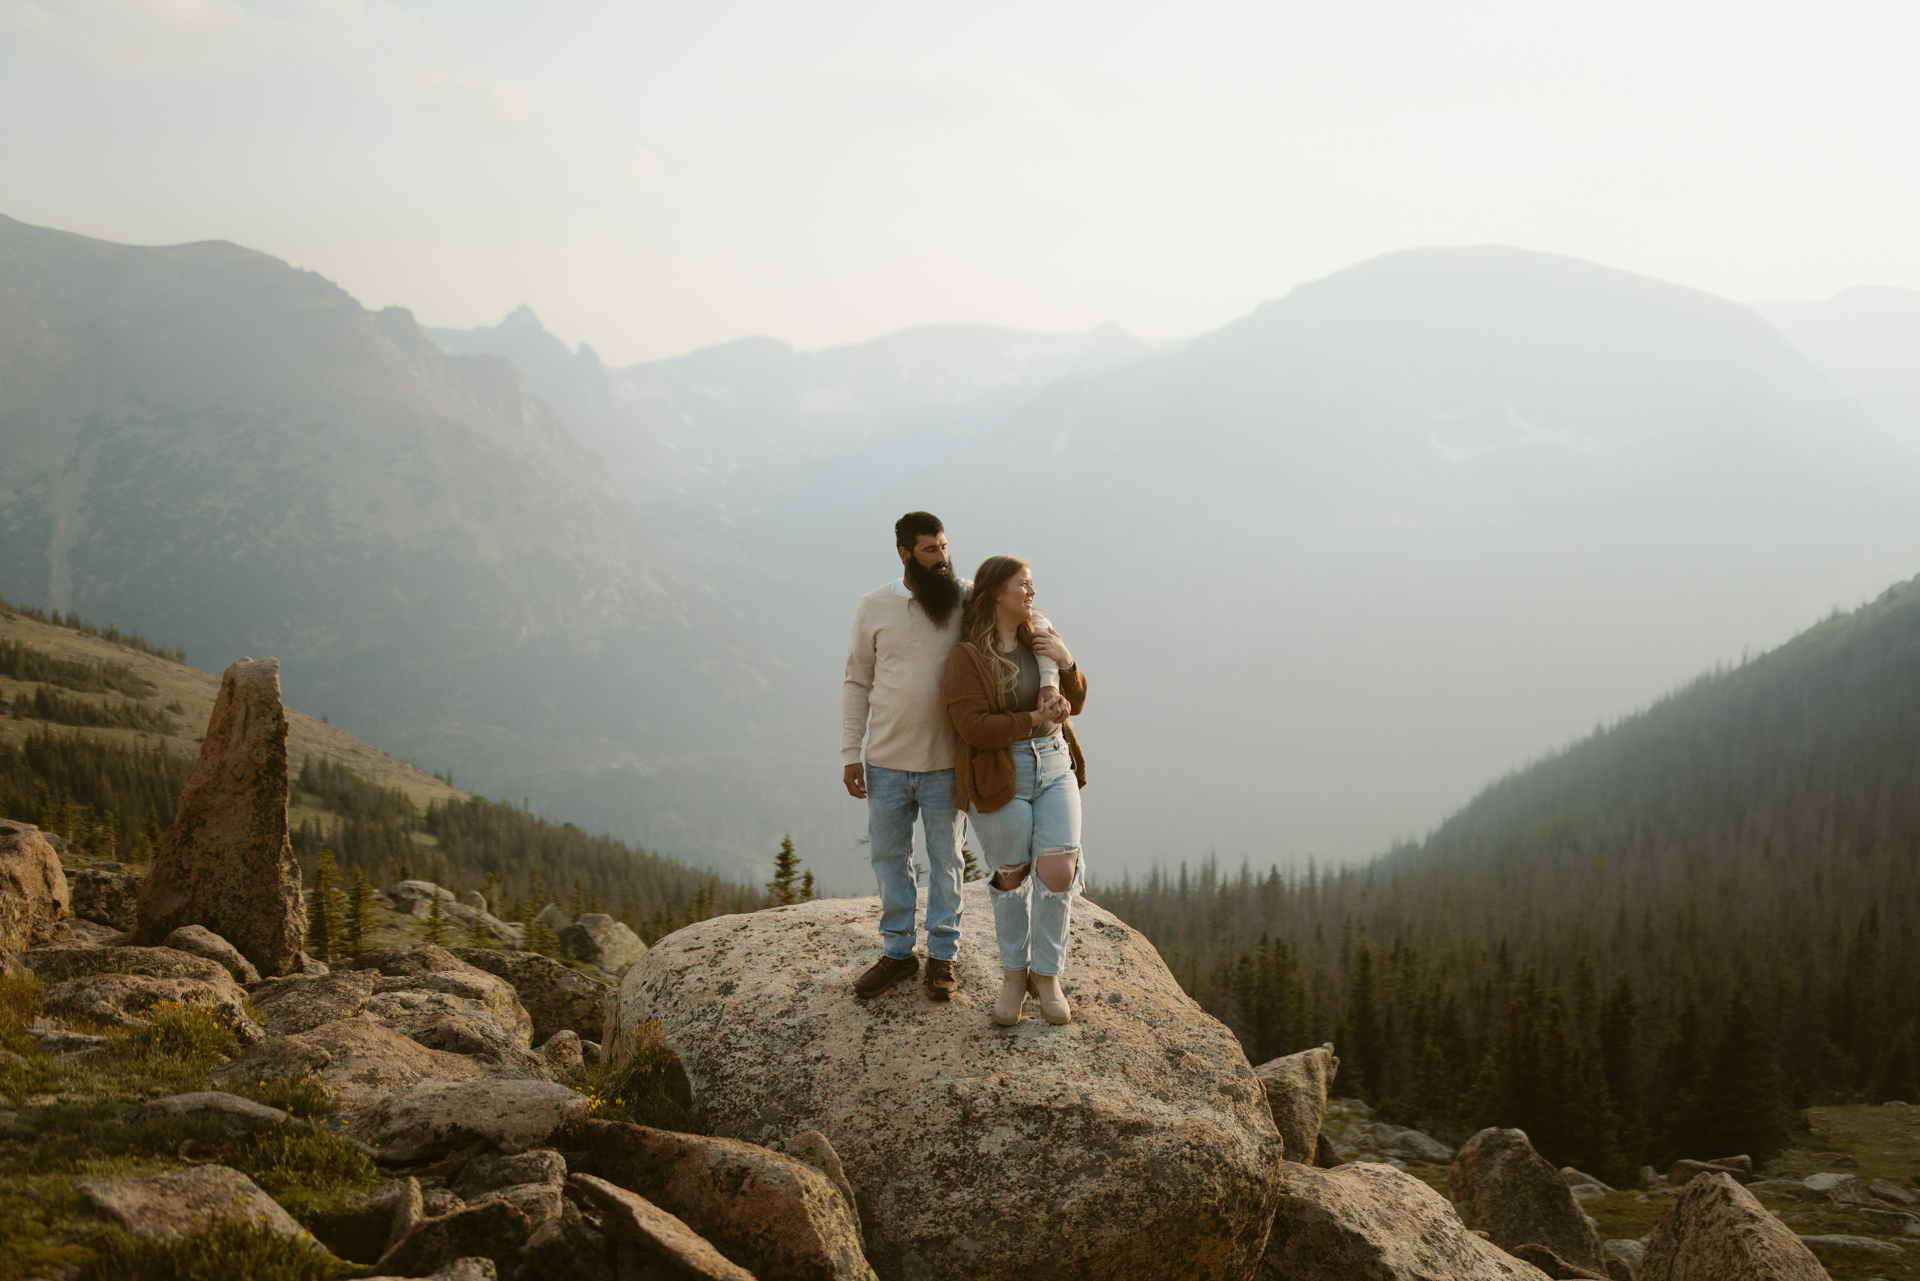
{"x": 902, "y": 634}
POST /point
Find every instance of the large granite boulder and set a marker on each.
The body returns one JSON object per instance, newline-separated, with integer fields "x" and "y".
{"x": 771, "y": 1214}
{"x": 415, "y": 898}
{"x": 198, "y": 940}
{"x": 301, "y": 1002}
{"x": 121, "y": 986}
{"x": 1502, "y": 1187}
{"x": 107, "y": 893}
{"x": 557, "y": 997}
{"x": 225, "y": 862}
{"x": 1373, "y": 1221}
{"x": 650, "y": 1241}
{"x": 1135, "y": 1141}
{"x": 1715, "y": 1230}
{"x": 1296, "y": 1090}
{"x": 164, "y": 1207}
{"x": 33, "y": 888}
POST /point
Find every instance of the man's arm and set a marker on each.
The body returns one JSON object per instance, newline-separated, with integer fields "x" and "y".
{"x": 855, "y": 695}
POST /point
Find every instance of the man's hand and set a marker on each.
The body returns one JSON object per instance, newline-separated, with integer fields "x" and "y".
{"x": 856, "y": 780}
{"x": 1053, "y": 707}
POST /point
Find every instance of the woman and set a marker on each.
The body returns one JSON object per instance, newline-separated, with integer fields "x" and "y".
{"x": 1018, "y": 774}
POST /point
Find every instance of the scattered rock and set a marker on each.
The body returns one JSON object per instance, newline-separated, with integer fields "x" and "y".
{"x": 1502, "y": 1186}
{"x": 1372, "y": 1221}
{"x": 434, "y": 969}
{"x": 238, "y": 1115}
{"x": 1135, "y": 1141}
{"x": 416, "y": 899}
{"x": 562, "y": 1056}
{"x": 1839, "y": 1160}
{"x": 128, "y": 1000}
{"x": 553, "y": 918}
{"x": 601, "y": 941}
{"x": 1627, "y": 1250}
{"x": 455, "y": 1024}
{"x": 652, "y": 1234}
{"x": 34, "y": 894}
{"x": 51, "y": 1037}
{"x": 491, "y": 1171}
{"x": 1896, "y": 1220}
{"x": 540, "y": 1202}
{"x": 198, "y": 940}
{"x": 1842, "y": 1189}
{"x": 436, "y": 1117}
{"x": 1296, "y": 1090}
{"x": 1840, "y": 1243}
{"x": 302, "y": 1002}
{"x": 108, "y": 893}
{"x": 1324, "y": 1157}
{"x": 1891, "y": 1192}
{"x": 772, "y": 1214}
{"x": 568, "y": 1249}
{"x": 358, "y": 1062}
{"x": 225, "y": 862}
{"x": 166, "y": 1206}
{"x": 92, "y": 932}
{"x": 1576, "y": 1178}
{"x": 1714, "y": 1230}
{"x": 557, "y": 997}
{"x": 495, "y": 1231}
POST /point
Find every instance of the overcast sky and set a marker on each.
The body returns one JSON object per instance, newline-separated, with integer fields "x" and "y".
{"x": 654, "y": 178}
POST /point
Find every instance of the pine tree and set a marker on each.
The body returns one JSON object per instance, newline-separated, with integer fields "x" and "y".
{"x": 326, "y": 928}
{"x": 806, "y": 887}
{"x": 359, "y": 912}
{"x": 541, "y": 939}
{"x": 970, "y": 869}
{"x": 786, "y": 873}
{"x": 436, "y": 931}
{"x": 1736, "y": 1108}
{"x": 477, "y": 935}
{"x": 579, "y": 900}
{"x": 64, "y": 816}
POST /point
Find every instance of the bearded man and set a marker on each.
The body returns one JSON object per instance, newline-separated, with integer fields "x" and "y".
{"x": 902, "y": 634}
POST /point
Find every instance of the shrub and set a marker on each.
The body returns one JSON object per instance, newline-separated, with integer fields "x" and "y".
{"x": 649, "y": 1087}
{"x": 177, "y": 1032}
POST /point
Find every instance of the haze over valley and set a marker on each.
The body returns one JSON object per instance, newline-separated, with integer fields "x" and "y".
{"x": 1333, "y": 567}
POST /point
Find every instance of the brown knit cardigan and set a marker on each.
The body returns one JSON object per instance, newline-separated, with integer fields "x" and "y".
{"x": 983, "y": 763}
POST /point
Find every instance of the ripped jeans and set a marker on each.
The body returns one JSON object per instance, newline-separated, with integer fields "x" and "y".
{"x": 1032, "y": 922}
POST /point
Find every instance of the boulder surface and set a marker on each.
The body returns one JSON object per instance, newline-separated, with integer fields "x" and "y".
{"x": 436, "y": 1117}
{"x": 771, "y": 1214}
{"x": 225, "y": 862}
{"x": 33, "y": 888}
{"x": 1502, "y": 1187}
{"x": 1135, "y": 1141}
{"x": 171, "y": 1205}
{"x": 1296, "y": 1090}
{"x": 358, "y": 1061}
{"x": 557, "y": 997}
{"x": 1715, "y": 1230}
{"x": 108, "y": 893}
{"x": 1373, "y": 1221}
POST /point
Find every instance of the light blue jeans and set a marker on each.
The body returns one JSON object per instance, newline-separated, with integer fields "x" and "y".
{"x": 1033, "y": 922}
{"x": 894, "y": 798}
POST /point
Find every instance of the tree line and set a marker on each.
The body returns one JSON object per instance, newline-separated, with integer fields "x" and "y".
{"x": 1656, "y": 943}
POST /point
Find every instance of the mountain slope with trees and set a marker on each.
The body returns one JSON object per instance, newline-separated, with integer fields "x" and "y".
{"x": 1650, "y": 944}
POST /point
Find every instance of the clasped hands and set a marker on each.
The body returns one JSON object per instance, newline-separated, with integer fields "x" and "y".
{"x": 1053, "y": 707}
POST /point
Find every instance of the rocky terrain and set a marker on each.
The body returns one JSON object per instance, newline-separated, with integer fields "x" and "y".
{"x": 178, "y": 1101}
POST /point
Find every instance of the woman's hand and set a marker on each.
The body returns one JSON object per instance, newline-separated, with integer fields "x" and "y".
{"x": 1048, "y": 644}
{"x": 1053, "y": 707}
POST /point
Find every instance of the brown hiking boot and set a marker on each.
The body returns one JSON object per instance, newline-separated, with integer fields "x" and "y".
{"x": 883, "y": 974}
{"x": 942, "y": 982}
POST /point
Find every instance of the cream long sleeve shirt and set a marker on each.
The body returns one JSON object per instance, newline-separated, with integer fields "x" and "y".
{"x": 891, "y": 698}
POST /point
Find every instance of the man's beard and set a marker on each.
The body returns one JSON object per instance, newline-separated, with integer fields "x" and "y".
{"x": 937, "y": 590}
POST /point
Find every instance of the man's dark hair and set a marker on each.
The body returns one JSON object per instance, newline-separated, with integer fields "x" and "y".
{"x": 914, "y": 526}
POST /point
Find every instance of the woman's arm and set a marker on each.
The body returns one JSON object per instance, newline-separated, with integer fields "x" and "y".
{"x": 971, "y": 709}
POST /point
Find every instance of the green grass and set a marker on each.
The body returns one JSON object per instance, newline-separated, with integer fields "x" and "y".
{"x": 66, "y": 1128}
{"x": 648, "y": 1088}
{"x": 221, "y": 1253}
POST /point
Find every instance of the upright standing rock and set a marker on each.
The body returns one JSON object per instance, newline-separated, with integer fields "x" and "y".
{"x": 226, "y": 862}
{"x": 33, "y": 888}
{"x": 1296, "y": 1090}
{"x": 1714, "y": 1230}
{"x": 1502, "y": 1187}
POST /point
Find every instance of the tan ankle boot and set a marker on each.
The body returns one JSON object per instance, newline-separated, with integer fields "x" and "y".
{"x": 1012, "y": 1000}
{"x": 1053, "y": 1002}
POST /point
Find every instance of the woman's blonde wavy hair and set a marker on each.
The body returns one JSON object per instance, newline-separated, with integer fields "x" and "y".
{"x": 976, "y": 621}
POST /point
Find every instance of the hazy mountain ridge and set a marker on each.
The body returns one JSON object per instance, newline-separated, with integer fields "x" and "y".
{"x": 1867, "y": 341}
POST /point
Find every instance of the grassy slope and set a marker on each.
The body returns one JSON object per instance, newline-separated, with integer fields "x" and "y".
{"x": 195, "y": 691}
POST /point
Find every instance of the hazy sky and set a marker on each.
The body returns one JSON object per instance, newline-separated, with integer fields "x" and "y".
{"x": 655, "y": 178}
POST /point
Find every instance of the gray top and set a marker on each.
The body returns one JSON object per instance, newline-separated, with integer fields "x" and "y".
{"x": 1026, "y": 690}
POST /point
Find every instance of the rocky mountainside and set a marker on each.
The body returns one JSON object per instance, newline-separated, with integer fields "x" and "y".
{"x": 212, "y": 446}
